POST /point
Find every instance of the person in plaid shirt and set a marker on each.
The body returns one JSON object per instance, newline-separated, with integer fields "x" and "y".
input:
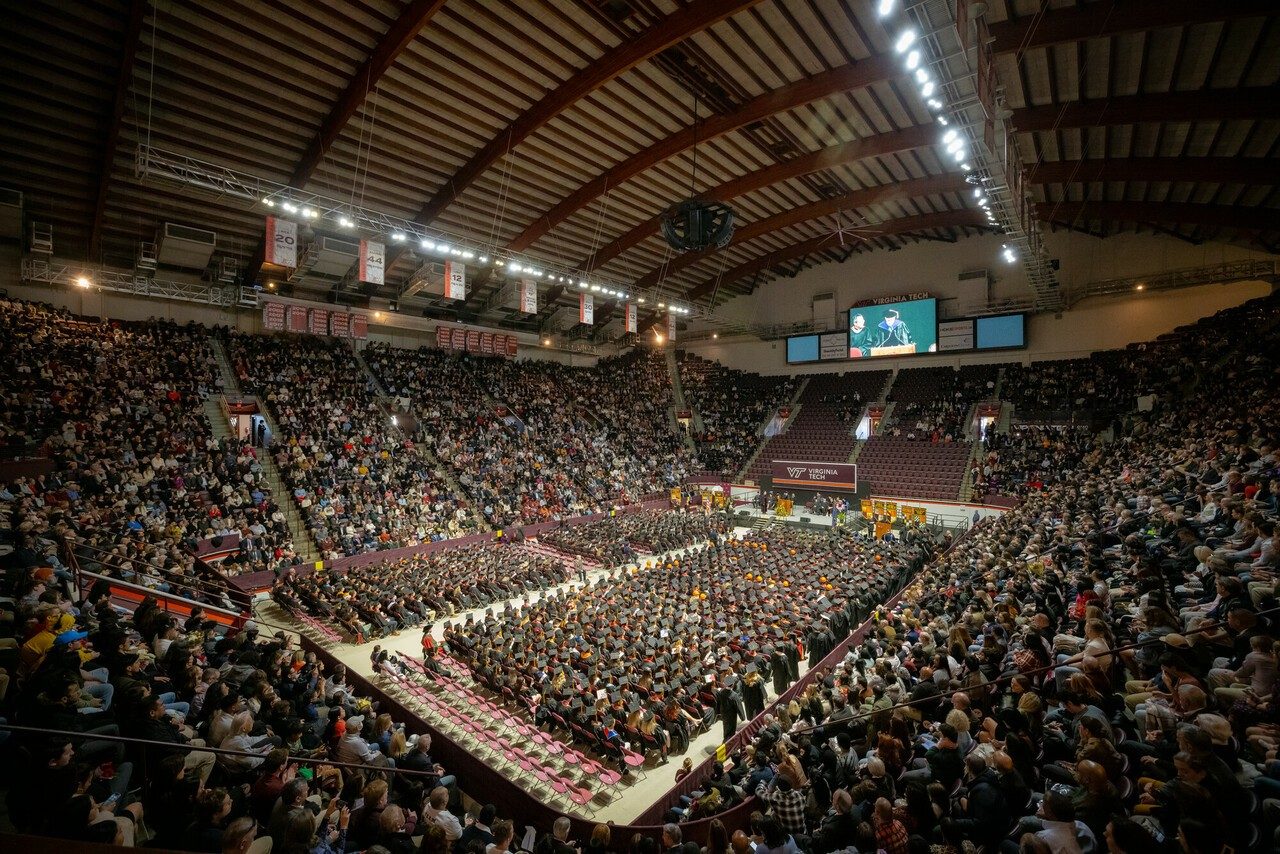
{"x": 891, "y": 834}
{"x": 785, "y": 803}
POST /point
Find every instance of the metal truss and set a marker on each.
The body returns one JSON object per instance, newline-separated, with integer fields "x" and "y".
{"x": 1000, "y": 177}
{"x": 117, "y": 281}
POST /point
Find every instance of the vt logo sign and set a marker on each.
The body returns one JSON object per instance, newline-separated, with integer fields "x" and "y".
{"x": 795, "y": 472}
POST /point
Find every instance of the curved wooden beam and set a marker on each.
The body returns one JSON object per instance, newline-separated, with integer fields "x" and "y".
{"x": 1209, "y": 105}
{"x": 847, "y": 77}
{"x": 671, "y": 30}
{"x": 124, "y": 77}
{"x": 1226, "y": 170}
{"x": 1096, "y": 20}
{"x": 929, "y": 186}
{"x": 815, "y": 161}
{"x": 399, "y": 36}
{"x": 903, "y": 225}
{"x": 1209, "y": 216}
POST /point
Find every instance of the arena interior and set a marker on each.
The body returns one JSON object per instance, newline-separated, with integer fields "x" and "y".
{"x": 640, "y": 426}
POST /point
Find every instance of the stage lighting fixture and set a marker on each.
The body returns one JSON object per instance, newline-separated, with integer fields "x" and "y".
{"x": 904, "y": 41}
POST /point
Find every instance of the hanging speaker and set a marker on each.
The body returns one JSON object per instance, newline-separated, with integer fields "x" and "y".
{"x": 694, "y": 225}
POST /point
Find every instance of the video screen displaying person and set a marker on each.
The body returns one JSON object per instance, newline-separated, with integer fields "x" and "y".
{"x": 893, "y": 329}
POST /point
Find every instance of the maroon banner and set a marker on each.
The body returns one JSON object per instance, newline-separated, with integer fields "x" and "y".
{"x": 339, "y": 324}
{"x": 359, "y": 326}
{"x": 273, "y": 316}
{"x": 473, "y": 341}
{"x": 486, "y": 343}
{"x": 842, "y": 477}
{"x": 442, "y": 337}
{"x": 297, "y": 318}
{"x": 459, "y": 339}
{"x": 319, "y": 321}
{"x": 511, "y": 346}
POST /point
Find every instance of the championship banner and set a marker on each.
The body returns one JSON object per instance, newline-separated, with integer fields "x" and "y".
{"x": 282, "y": 242}
{"x": 359, "y": 326}
{"x": 512, "y": 343}
{"x": 340, "y": 324}
{"x": 459, "y": 339}
{"x": 455, "y": 280}
{"x": 631, "y": 317}
{"x": 473, "y": 341}
{"x": 318, "y": 321}
{"x": 373, "y": 258}
{"x": 297, "y": 318}
{"x": 586, "y": 308}
{"x": 842, "y": 477}
{"x": 443, "y": 337}
{"x": 528, "y": 296}
{"x": 273, "y": 316}
{"x": 486, "y": 343}
{"x": 671, "y": 327}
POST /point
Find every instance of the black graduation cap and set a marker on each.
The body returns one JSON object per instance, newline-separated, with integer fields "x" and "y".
{"x": 615, "y": 698}
{"x": 660, "y": 688}
{"x": 751, "y": 668}
{"x": 633, "y": 706}
{"x": 576, "y": 704}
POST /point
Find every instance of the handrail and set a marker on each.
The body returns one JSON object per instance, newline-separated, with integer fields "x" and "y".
{"x": 158, "y": 594}
{"x": 219, "y": 751}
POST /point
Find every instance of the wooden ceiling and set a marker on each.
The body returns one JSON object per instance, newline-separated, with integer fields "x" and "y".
{"x": 562, "y": 128}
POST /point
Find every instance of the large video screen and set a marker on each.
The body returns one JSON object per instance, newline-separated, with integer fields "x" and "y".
{"x": 893, "y": 329}
{"x": 1002, "y": 332}
{"x": 802, "y": 348}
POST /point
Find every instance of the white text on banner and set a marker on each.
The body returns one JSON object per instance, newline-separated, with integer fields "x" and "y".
{"x": 528, "y": 296}
{"x": 586, "y": 309}
{"x": 373, "y": 259}
{"x": 631, "y": 317}
{"x": 455, "y": 280}
{"x": 282, "y": 242}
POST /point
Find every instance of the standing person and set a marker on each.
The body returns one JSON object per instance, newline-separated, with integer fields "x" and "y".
{"x": 579, "y": 569}
{"x": 753, "y": 692}
{"x": 729, "y": 705}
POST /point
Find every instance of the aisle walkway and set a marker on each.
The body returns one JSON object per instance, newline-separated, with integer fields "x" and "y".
{"x": 629, "y": 801}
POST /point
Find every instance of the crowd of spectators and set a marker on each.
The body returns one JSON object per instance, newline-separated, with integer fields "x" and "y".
{"x": 380, "y": 598}
{"x": 361, "y": 484}
{"x": 619, "y": 538}
{"x": 733, "y": 406}
{"x": 138, "y": 480}
{"x": 1028, "y": 458}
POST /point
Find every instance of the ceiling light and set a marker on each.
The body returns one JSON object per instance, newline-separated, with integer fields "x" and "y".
{"x": 657, "y": 336}
{"x": 308, "y": 213}
{"x": 926, "y": 90}
{"x": 468, "y": 255}
{"x": 959, "y": 154}
{"x": 955, "y": 145}
{"x": 268, "y": 203}
{"x": 546, "y": 342}
{"x": 640, "y": 300}
{"x": 290, "y": 207}
{"x": 937, "y": 105}
{"x": 904, "y": 41}
{"x": 513, "y": 266}
{"x": 922, "y": 76}
{"x": 398, "y": 237}
{"x": 271, "y": 286}
{"x": 966, "y": 167}
{"x": 662, "y": 305}
{"x": 942, "y": 120}
{"x": 83, "y": 281}
{"x": 715, "y": 334}
{"x": 949, "y": 135}
{"x": 595, "y": 288}
{"x": 427, "y": 244}
{"x": 582, "y": 283}
{"x": 913, "y": 59}
{"x": 1140, "y": 287}
{"x": 884, "y": 8}
{"x": 621, "y": 295}
{"x": 344, "y": 222}
{"x": 483, "y": 259}
{"x": 442, "y": 248}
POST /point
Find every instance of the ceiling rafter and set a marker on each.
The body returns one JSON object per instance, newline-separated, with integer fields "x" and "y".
{"x": 1212, "y": 216}
{"x": 1237, "y": 170}
{"x": 814, "y": 161}
{"x": 671, "y": 30}
{"x": 1096, "y": 20}
{"x": 819, "y": 86}
{"x": 124, "y": 78}
{"x": 1214, "y": 104}
{"x": 902, "y": 225}
{"x": 399, "y": 36}
{"x": 896, "y": 191}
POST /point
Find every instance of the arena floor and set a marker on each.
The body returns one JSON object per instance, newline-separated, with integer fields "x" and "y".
{"x": 632, "y": 800}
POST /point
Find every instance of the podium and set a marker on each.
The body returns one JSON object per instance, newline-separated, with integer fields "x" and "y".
{"x": 896, "y": 350}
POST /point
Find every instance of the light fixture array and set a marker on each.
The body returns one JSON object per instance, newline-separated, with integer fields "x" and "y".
{"x": 954, "y": 139}
{"x": 501, "y": 262}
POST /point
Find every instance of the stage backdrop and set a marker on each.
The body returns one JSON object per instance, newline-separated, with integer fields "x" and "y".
{"x": 837, "y": 477}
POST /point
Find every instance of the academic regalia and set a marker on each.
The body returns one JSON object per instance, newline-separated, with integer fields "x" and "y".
{"x": 753, "y": 696}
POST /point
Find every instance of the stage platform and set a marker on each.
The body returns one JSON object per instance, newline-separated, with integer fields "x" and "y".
{"x": 630, "y": 801}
